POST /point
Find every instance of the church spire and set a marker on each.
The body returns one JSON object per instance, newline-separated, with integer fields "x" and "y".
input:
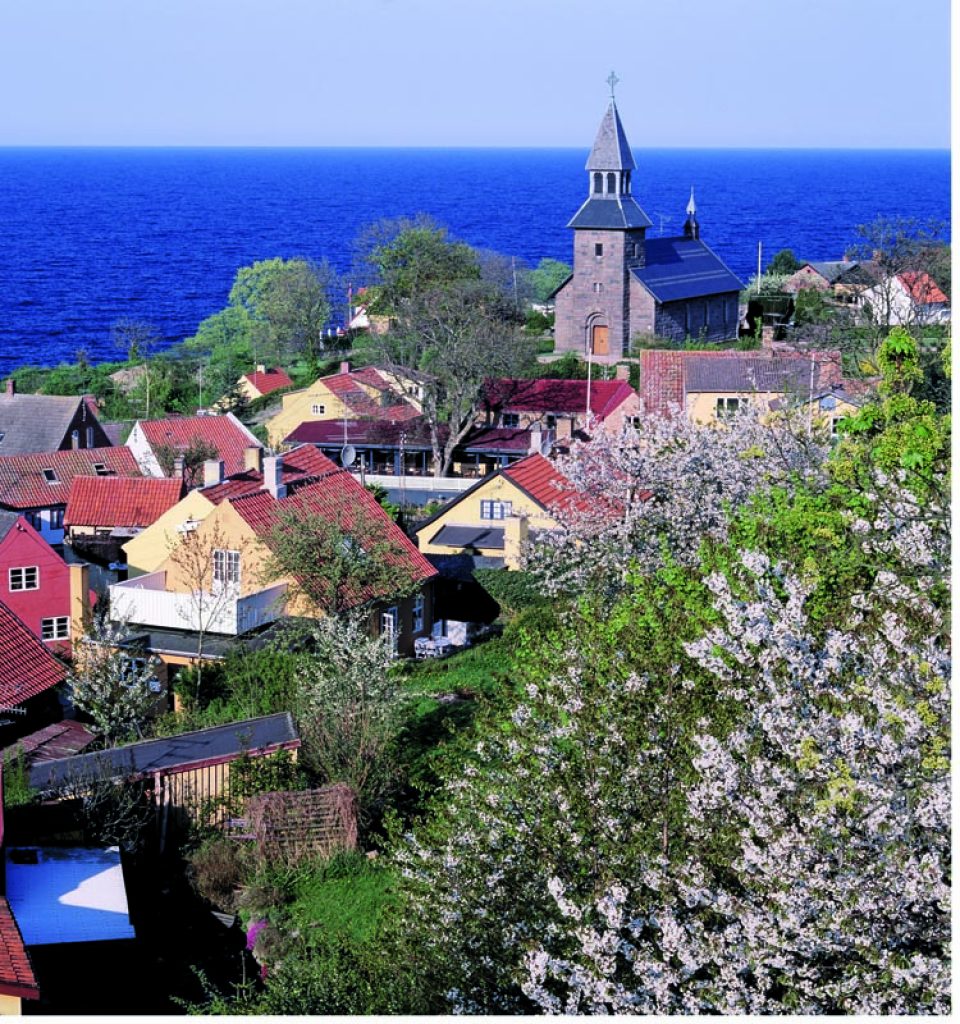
{"x": 691, "y": 228}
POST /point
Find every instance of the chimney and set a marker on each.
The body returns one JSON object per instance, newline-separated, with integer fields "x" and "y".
{"x": 515, "y": 532}
{"x": 272, "y": 475}
{"x": 536, "y": 440}
{"x": 622, "y": 371}
{"x": 253, "y": 458}
{"x": 179, "y": 465}
{"x": 261, "y": 368}
{"x": 11, "y": 386}
{"x": 345, "y": 366}
{"x": 212, "y": 472}
{"x": 79, "y": 599}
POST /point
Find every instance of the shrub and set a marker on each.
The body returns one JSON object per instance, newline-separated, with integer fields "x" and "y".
{"x": 216, "y": 871}
{"x": 513, "y": 590}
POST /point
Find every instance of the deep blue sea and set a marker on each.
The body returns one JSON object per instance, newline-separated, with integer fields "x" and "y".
{"x": 91, "y": 236}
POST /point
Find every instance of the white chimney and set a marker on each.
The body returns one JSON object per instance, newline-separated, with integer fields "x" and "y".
{"x": 179, "y": 465}
{"x": 261, "y": 368}
{"x": 253, "y": 458}
{"x": 272, "y": 475}
{"x": 212, "y": 472}
{"x": 345, "y": 366}
{"x": 536, "y": 440}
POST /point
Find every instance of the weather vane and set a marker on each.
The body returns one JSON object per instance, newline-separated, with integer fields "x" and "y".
{"x": 612, "y": 82}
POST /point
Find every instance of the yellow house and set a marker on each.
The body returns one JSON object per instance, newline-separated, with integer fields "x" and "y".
{"x": 350, "y": 394}
{"x": 493, "y": 519}
{"x": 213, "y": 580}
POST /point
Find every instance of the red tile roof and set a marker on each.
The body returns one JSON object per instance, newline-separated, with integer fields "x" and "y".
{"x": 302, "y": 463}
{"x": 120, "y": 501}
{"x": 266, "y": 381}
{"x": 16, "y": 971}
{"x": 541, "y": 479}
{"x": 558, "y": 396}
{"x": 346, "y": 383}
{"x": 22, "y": 481}
{"x": 663, "y": 372}
{"x": 339, "y": 497}
{"x": 225, "y": 433}
{"x": 27, "y": 668}
{"x": 922, "y": 287}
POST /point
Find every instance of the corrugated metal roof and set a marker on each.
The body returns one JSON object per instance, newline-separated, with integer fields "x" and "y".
{"x": 612, "y": 213}
{"x": 684, "y": 268}
{"x": 611, "y": 151}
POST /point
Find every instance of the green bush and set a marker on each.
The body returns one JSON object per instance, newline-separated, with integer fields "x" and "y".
{"x": 513, "y": 590}
{"x": 16, "y": 779}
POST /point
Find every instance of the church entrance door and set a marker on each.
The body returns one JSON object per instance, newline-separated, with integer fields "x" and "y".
{"x": 601, "y": 340}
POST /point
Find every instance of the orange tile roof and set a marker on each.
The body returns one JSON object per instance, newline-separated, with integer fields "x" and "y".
{"x": 120, "y": 501}
{"x": 224, "y": 433}
{"x": 541, "y": 479}
{"x": 339, "y": 497}
{"x": 23, "y": 484}
{"x": 27, "y": 668}
{"x": 922, "y": 287}
{"x": 267, "y": 381}
{"x": 16, "y": 971}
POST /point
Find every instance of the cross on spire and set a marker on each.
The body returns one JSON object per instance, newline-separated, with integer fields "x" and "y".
{"x": 612, "y": 82}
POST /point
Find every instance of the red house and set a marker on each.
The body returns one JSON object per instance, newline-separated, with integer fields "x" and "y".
{"x": 34, "y": 581}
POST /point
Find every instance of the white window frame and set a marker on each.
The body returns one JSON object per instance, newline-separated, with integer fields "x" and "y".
{"x": 510, "y": 420}
{"x": 729, "y": 406}
{"x": 18, "y": 579}
{"x": 58, "y": 628}
{"x": 495, "y": 510}
{"x": 56, "y": 518}
{"x": 226, "y": 569}
{"x": 419, "y": 608}
{"x": 318, "y": 409}
{"x": 390, "y": 624}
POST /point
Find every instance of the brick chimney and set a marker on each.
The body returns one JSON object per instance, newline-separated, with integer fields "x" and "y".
{"x": 273, "y": 475}
{"x": 345, "y": 366}
{"x": 179, "y": 465}
{"x": 79, "y": 599}
{"x": 253, "y": 458}
{"x": 11, "y": 386}
{"x": 212, "y": 472}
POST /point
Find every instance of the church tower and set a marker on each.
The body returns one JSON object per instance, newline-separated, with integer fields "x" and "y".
{"x": 593, "y": 308}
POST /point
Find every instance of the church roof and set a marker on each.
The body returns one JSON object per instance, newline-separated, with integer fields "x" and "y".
{"x": 613, "y": 213}
{"x": 684, "y": 268}
{"x": 611, "y": 151}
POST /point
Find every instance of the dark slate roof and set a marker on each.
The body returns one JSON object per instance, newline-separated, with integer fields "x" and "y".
{"x": 749, "y": 373}
{"x": 610, "y": 213}
{"x": 35, "y": 423}
{"x": 684, "y": 268}
{"x": 7, "y": 521}
{"x": 172, "y": 753}
{"x": 611, "y": 151}
{"x": 832, "y": 269}
{"x": 470, "y": 537}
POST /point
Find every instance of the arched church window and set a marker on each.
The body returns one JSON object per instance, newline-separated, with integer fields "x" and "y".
{"x": 597, "y": 182}
{"x": 626, "y": 182}
{"x": 611, "y": 182}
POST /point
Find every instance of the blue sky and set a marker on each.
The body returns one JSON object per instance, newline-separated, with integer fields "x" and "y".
{"x": 861, "y": 73}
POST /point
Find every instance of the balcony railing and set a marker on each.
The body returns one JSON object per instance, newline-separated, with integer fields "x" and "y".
{"x": 144, "y": 601}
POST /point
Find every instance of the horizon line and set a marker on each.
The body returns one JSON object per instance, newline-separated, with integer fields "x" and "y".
{"x": 381, "y": 146}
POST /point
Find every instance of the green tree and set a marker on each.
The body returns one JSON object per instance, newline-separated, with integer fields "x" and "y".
{"x": 784, "y": 262}
{"x": 547, "y": 276}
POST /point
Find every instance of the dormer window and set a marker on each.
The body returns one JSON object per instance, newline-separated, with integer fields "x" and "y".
{"x": 100, "y": 469}
{"x": 50, "y": 475}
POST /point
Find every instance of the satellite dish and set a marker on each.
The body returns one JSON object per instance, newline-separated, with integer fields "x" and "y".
{"x": 348, "y": 455}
